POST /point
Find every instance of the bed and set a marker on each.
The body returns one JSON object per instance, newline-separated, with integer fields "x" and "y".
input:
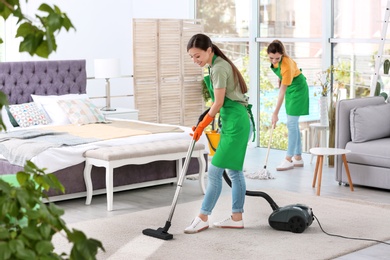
{"x": 44, "y": 85}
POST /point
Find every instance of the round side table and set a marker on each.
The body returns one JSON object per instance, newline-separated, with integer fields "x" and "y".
{"x": 321, "y": 152}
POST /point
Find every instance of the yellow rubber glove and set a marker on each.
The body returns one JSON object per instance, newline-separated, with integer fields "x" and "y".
{"x": 198, "y": 130}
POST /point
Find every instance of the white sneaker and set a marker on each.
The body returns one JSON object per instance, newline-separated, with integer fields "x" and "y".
{"x": 297, "y": 163}
{"x": 285, "y": 165}
{"x": 229, "y": 223}
{"x": 196, "y": 226}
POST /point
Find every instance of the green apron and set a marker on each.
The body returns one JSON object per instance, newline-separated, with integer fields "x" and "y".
{"x": 297, "y": 94}
{"x": 235, "y": 130}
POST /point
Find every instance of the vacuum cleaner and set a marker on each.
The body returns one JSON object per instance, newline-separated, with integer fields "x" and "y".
{"x": 295, "y": 218}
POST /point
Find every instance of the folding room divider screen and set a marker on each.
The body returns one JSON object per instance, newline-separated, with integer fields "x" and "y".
{"x": 167, "y": 84}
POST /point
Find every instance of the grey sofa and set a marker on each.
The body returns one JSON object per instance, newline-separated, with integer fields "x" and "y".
{"x": 363, "y": 126}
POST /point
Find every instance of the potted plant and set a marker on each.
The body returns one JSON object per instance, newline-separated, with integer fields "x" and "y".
{"x": 337, "y": 86}
{"x": 27, "y": 224}
{"x": 323, "y": 79}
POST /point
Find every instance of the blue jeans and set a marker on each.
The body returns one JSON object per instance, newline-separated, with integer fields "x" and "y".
{"x": 214, "y": 188}
{"x": 294, "y": 146}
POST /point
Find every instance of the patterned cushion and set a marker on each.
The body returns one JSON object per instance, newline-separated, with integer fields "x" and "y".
{"x": 81, "y": 111}
{"x": 28, "y": 114}
{"x": 53, "y": 111}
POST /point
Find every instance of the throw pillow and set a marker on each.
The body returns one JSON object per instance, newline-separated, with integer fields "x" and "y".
{"x": 53, "y": 110}
{"x": 81, "y": 111}
{"x": 369, "y": 123}
{"x": 28, "y": 114}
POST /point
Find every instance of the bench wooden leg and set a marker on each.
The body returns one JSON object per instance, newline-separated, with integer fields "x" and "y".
{"x": 110, "y": 187}
{"x": 347, "y": 171}
{"x": 110, "y": 165}
{"x": 88, "y": 182}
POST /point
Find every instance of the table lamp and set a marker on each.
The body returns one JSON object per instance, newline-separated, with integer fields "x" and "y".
{"x": 106, "y": 69}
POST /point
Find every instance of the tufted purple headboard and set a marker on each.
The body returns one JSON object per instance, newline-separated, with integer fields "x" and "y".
{"x": 18, "y": 80}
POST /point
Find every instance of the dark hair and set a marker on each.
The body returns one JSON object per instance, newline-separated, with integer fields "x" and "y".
{"x": 203, "y": 42}
{"x": 276, "y": 47}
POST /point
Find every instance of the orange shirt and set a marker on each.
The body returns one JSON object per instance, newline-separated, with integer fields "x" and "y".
{"x": 289, "y": 70}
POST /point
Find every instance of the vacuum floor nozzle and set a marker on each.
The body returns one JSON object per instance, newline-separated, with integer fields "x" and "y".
{"x": 159, "y": 233}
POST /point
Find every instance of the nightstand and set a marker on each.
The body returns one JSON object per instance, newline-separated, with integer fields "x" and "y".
{"x": 121, "y": 113}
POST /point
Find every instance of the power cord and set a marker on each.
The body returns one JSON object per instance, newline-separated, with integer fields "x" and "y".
{"x": 354, "y": 238}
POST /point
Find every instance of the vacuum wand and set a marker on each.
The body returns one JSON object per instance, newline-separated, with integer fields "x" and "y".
{"x": 162, "y": 232}
{"x": 181, "y": 178}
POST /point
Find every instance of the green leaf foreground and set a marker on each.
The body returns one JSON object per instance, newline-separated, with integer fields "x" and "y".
{"x": 27, "y": 225}
{"x": 38, "y": 35}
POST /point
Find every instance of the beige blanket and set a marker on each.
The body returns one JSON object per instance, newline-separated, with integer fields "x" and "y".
{"x": 115, "y": 129}
{"x": 19, "y": 146}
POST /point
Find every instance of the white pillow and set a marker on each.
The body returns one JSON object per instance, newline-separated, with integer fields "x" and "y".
{"x": 52, "y": 109}
{"x": 81, "y": 111}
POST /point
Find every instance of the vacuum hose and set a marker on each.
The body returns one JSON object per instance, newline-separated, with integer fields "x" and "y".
{"x": 268, "y": 198}
{"x": 271, "y": 202}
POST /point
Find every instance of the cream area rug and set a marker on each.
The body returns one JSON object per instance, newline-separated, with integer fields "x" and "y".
{"x": 122, "y": 235}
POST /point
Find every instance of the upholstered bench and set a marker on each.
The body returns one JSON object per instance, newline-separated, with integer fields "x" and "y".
{"x": 117, "y": 156}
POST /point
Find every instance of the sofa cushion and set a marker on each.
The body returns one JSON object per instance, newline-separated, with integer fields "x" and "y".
{"x": 369, "y": 123}
{"x": 375, "y": 152}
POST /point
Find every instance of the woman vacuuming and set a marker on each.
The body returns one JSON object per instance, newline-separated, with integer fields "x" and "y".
{"x": 227, "y": 89}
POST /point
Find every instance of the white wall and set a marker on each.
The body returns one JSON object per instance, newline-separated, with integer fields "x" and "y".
{"x": 103, "y": 30}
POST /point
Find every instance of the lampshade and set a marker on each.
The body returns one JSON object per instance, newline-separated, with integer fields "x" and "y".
{"x": 106, "y": 68}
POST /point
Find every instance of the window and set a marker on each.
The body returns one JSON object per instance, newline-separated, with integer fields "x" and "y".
{"x": 315, "y": 36}
{"x": 290, "y": 18}
{"x": 224, "y": 18}
{"x": 357, "y": 32}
